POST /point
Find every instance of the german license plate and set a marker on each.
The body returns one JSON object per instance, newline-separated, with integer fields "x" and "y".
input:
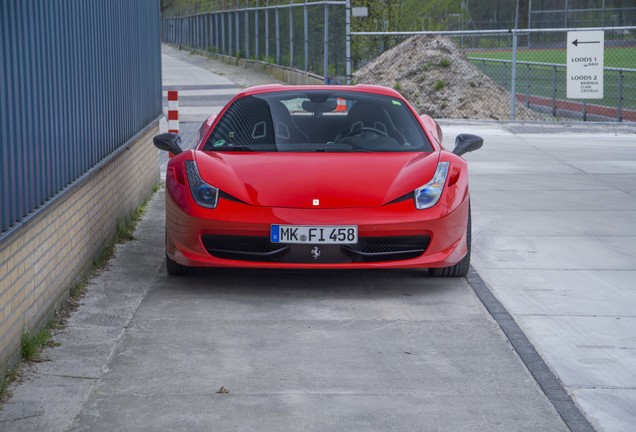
{"x": 346, "y": 234}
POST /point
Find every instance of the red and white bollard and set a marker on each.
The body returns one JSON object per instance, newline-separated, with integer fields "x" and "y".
{"x": 173, "y": 111}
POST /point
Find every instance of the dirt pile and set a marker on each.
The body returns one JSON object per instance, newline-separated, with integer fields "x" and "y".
{"x": 438, "y": 80}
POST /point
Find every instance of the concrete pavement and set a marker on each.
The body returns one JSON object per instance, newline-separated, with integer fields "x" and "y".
{"x": 553, "y": 228}
{"x": 554, "y": 231}
{"x": 327, "y": 351}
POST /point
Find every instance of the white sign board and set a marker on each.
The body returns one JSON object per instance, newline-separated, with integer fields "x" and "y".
{"x": 360, "y": 11}
{"x": 585, "y": 64}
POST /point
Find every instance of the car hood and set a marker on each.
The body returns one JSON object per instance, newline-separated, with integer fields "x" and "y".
{"x": 336, "y": 180}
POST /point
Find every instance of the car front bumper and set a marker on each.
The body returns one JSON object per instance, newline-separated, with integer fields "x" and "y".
{"x": 392, "y": 236}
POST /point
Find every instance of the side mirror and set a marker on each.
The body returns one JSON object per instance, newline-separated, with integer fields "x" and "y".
{"x": 465, "y": 143}
{"x": 169, "y": 142}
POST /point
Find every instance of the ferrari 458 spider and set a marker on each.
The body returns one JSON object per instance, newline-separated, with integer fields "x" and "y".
{"x": 318, "y": 177}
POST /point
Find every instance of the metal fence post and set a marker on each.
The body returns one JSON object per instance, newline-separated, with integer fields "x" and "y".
{"x": 208, "y": 29}
{"x": 247, "y": 32}
{"x": 189, "y": 33}
{"x": 216, "y": 32}
{"x": 237, "y": 20}
{"x": 277, "y": 20}
{"x": 291, "y": 36}
{"x": 505, "y": 74}
{"x": 348, "y": 42}
{"x": 222, "y": 33}
{"x": 200, "y": 31}
{"x": 306, "y": 31}
{"x": 619, "y": 108}
{"x": 230, "y": 30}
{"x": 204, "y": 32}
{"x": 513, "y": 84}
{"x": 195, "y": 32}
{"x": 184, "y": 33}
{"x": 266, "y": 33}
{"x": 256, "y": 45}
{"x": 527, "y": 85}
{"x": 325, "y": 62}
{"x": 554, "y": 91}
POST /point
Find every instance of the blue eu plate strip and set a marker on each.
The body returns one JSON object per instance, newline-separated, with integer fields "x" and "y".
{"x": 275, "y": 234}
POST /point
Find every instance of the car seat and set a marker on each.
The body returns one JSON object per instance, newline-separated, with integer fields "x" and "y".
{"x": 363, "y": 114}
{"x": 285, "y": 128}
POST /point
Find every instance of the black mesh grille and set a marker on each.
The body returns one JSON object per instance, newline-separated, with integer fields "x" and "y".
{"x": 243, "y": 248}
{"x": 369, "y": 249}
{"x": 375, "y": 249}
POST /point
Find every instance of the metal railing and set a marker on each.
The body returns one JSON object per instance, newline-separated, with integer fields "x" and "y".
{"x": 77, "y": 81}
{"x": 540, "y": 88}
{"x": 306, "y": 36}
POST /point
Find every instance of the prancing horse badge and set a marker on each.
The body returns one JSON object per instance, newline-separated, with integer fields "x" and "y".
{"x": 316, "y": 202}
{"x": 315, "y": 252}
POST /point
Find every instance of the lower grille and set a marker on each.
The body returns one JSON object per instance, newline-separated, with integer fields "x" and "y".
{"x": 369, "y": 249}
{"x": 243, "y": 248}
{"x": 376, "y": 249}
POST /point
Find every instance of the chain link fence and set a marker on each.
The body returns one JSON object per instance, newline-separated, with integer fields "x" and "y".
{"x": 304, "y": 36}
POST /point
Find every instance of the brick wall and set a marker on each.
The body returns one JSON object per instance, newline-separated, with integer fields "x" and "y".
{"x": 42, "y": 257}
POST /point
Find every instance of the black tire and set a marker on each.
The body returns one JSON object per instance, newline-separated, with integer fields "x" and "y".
{"x": 461, "y": 268}
{"x": 174, "y": 268}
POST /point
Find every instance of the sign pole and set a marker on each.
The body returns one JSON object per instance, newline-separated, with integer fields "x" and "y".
{"x": 513, "y": 86}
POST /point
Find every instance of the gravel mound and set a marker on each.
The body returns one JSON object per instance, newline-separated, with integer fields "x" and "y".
{"x": 438, "y": 80}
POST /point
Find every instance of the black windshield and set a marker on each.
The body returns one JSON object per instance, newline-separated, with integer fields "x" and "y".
{"x": 318, "y": 120}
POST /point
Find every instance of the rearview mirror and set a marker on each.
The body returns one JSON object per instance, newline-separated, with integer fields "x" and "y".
{"x": 169, "y": 142}
{"x": 320, "y": 107}
{"x": 465, "y": 143}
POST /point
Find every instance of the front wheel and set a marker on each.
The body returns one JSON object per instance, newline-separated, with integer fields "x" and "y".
{"x": 175, "y": 269}
{"x": 461, "y": 268}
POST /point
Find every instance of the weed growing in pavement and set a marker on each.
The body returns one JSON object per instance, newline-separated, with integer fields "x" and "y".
{"x": 440, "y": 84}
{"x": 5, "y": 380}
{"x": 124, "y": 231}
{"x": 31, "y": 346}
{"x": 78, "y": 289}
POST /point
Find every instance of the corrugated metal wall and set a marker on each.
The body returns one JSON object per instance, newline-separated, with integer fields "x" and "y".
{"x": 78, "y": 79}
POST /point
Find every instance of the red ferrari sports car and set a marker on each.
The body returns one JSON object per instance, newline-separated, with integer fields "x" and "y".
{"x": 318, "y": 177}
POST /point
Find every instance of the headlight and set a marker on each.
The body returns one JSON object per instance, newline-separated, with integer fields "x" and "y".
{"x": 204, "y": 194}
{"x": 428, "y": 195}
